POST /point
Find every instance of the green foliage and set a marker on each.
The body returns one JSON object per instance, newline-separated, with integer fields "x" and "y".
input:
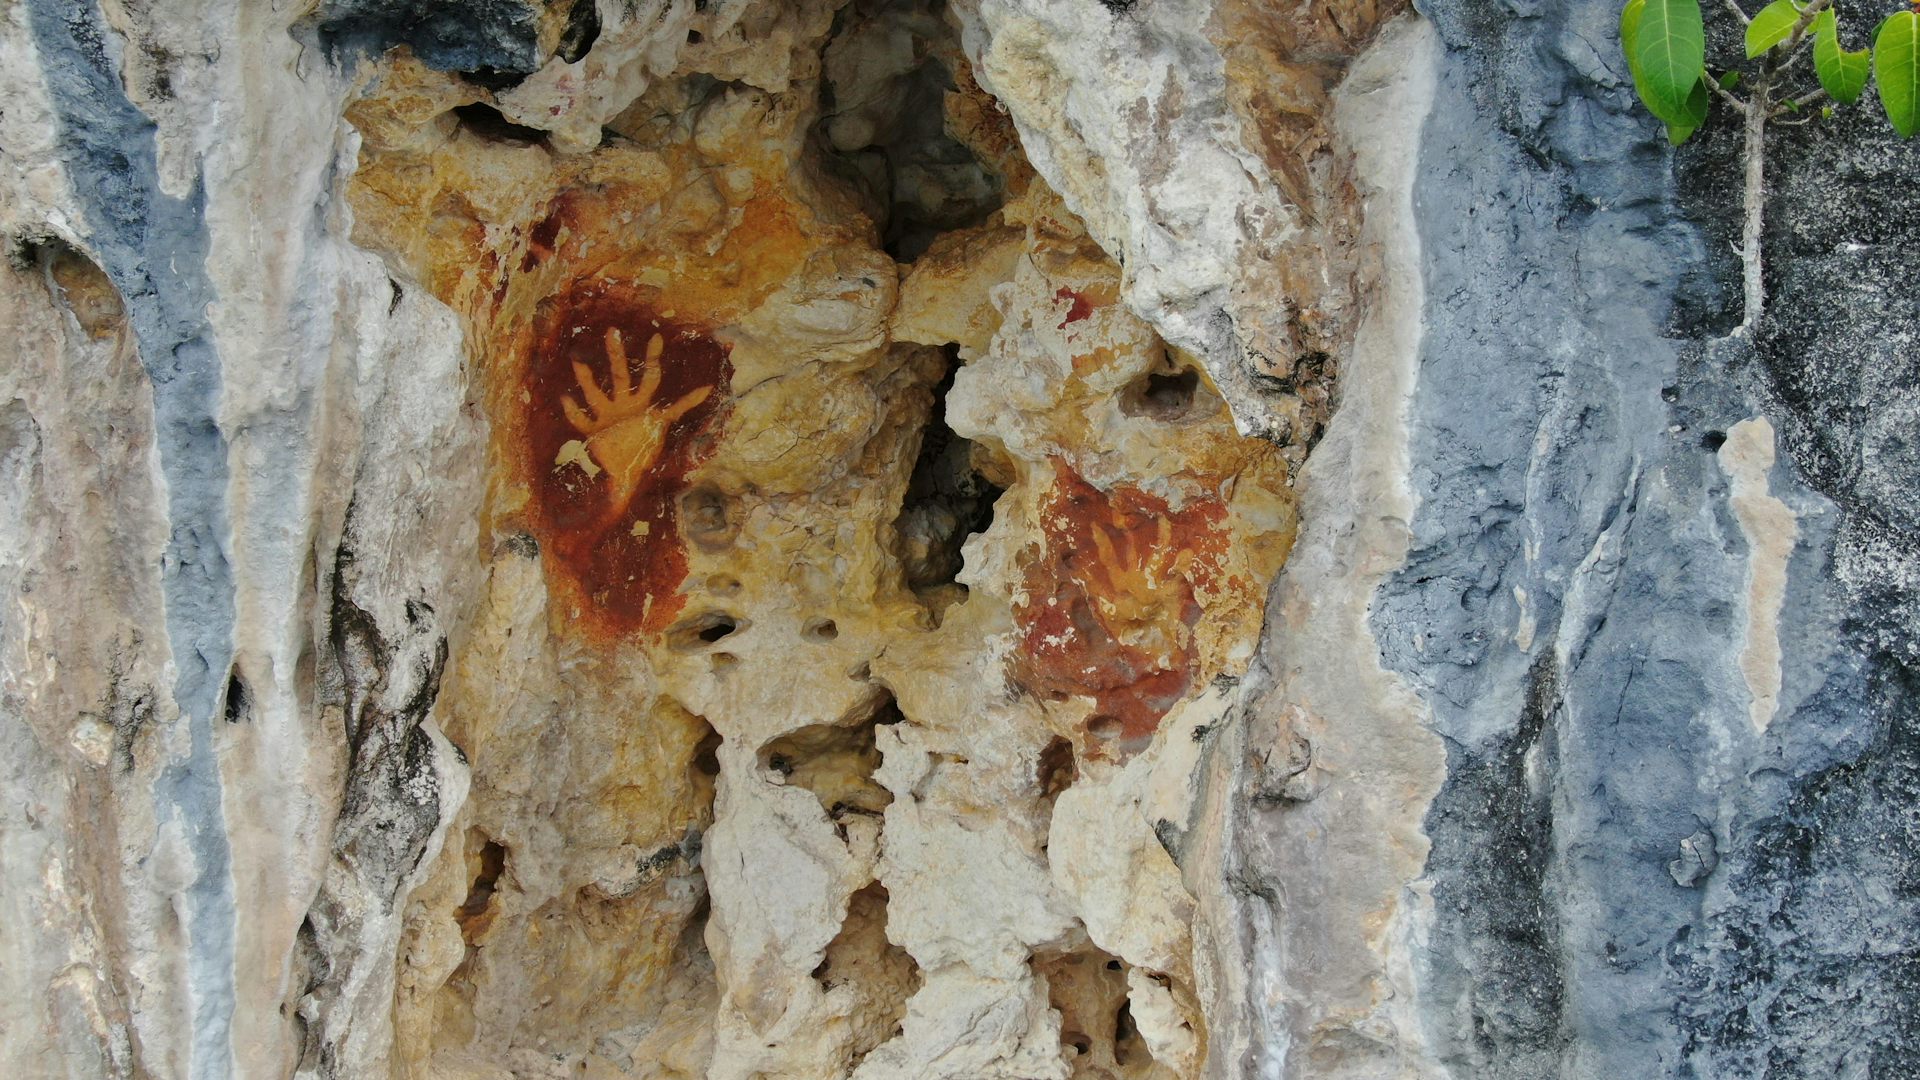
{"x": 1668, "y": 45}
{"x": 1694, "y": 113}
{"x": 1629, "y": 36}
{"x": 1665, "y": 46}
{"x": 1896, "y": 47}
{"x": 1771, "y": 26}
{"x": 1843, "y": 74}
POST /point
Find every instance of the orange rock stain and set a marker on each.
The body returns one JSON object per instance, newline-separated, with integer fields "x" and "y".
{"x": 606, "y": 513}
{"x": 1111, "y": 602}
{"x": 1078, "y": 306}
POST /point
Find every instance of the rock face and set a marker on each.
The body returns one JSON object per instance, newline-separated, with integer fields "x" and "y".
{"x": 1027, "y": 539}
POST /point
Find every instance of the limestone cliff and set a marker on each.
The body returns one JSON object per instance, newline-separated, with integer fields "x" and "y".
{"x": 1036, "y": 539}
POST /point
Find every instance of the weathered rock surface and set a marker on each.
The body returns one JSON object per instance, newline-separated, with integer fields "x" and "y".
{"x": 1027, "y": 539}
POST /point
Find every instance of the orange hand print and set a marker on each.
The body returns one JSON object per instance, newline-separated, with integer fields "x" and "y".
{"x": 1111, "y": 603}
{"x": 608, "y": 449}
{"x": 625, "y": 430}
{"x": 1138, "y": 583}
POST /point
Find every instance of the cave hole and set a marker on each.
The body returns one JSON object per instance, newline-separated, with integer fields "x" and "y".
{"x": 582, "y": 30}
{"x": 884, "y": 123}
{"x": 1056, "y": 769}
{"x": 879, "y": 975}
{"x": 690, "y": 952}
{"x": 475, "y": 913}
{"x": 706, "y": 754}
{"x": 709, "y": 517}
{"x": 76, "y": 281}
{"x": 1125, "y": 1034}
{"x": 1165, "y": 396}
{"x": 820, "y": 630}
{"x": 1088, "y": 987}
{"x": 494, "y": 79}
{"x": 488, "y": 123}
{"x": 837, "y": 762}
{"x": 709, "y": 628}
{"x": 238, "y": 699}
{"x": 949, "y": 497}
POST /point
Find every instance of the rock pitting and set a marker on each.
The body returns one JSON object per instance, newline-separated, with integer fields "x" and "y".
{"x": 1039, "y": 539}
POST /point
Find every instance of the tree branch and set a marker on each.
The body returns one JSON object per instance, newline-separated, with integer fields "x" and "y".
{"x": 1727, "y": 96}
{"x": 1801, "y": 102}
{"x": 1738, "y": 14}
{"x": 1807, "y": 15}
{"x": 1760, "y": 105}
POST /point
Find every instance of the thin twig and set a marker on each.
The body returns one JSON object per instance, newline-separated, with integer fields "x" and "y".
{"x": 1801, "y": 102}
{"x": 1735, "y": 8}
{"x": 1754, "y": 193}
{"x": 1727, "y": 96}
{"x": 1807, "y": 15}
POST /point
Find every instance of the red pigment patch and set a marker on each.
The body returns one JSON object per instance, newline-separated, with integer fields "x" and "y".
{"x": 607, "y": 473}
{"x": 1079, "y": 307}
{"x": 1111, "y": 604}
{"x": 542, "y": 240}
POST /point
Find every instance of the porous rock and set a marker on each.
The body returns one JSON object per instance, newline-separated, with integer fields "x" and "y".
{"x": 891, "y": 539}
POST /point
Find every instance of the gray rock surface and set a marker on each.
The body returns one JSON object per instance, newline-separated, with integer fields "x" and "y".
{"x": 498, "y": 40}
{"x": 1576, "y": 604}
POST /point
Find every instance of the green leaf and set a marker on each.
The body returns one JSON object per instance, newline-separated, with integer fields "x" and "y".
{"x": 1771, "y": 26}
{"x": 1629, "y": 31}
{"x": 1669, "y": 55}
{"x": 1729, "y": 80}
{"x": 1842, "y": 74}
{"x": 1679, "y": 130}
{"x": 1896, "y": 46}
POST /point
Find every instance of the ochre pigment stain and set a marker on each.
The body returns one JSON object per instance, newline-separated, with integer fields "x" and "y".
{"x": 542, "y": 241}
{"x": 620, "y": 405}
{"x": 1078, "y": 306}
{"x": 1111, "y": 603}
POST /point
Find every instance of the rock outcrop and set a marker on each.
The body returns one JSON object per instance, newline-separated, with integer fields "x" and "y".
{"x": 894, "y": 539}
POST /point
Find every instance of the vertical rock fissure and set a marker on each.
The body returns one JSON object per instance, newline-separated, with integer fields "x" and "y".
{"x": 949, "y": 498}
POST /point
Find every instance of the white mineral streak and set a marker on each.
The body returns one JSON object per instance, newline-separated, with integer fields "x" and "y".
{"x": 1316, "y": 979}
{"x": 1127, "y": 118}
{"x": 67, "y": 398}
{"x": 67, "y": 395}
{"x": 1771, "y": 528}
{"x": 311, "y": 340}
{"x": 643, "y": 40}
